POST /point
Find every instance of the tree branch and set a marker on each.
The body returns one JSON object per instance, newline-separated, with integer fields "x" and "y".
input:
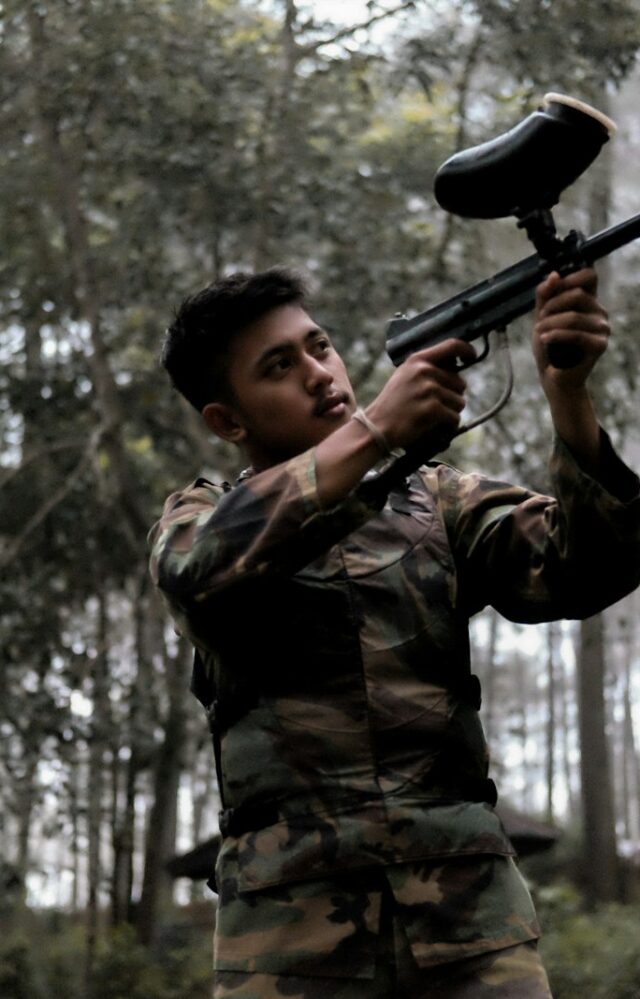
{"x": 438, "y": 265}
{"x": 36, "y": 454}
{"x": 305, "y": 50}
{"x": 13, "y": 549}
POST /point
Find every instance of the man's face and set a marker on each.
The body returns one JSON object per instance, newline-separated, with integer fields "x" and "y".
{"x": 290, "y": 387}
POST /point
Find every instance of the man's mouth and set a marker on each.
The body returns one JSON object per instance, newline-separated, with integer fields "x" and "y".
{"x": 330, "y": 402}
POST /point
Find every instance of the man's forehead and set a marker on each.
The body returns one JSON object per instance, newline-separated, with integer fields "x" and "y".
{"x": 282, "y": 327}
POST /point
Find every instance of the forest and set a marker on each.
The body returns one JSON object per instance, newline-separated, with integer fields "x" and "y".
{"x": 149, "y": 147}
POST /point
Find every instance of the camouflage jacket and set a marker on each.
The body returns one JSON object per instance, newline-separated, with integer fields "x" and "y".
{"x": 335, "y": 650}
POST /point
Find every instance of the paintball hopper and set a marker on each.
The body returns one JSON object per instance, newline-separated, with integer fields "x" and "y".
{"x": 527, "y": 168}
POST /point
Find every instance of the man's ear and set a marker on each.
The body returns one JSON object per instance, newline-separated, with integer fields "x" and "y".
{"x": 222, "y": 420}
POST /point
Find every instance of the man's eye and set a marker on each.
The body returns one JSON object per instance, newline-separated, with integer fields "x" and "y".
{"x": 279, "y": 366}
{"x": 322, "y": 345}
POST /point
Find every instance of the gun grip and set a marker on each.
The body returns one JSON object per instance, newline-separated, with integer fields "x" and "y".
{"x": 564, "y": 356}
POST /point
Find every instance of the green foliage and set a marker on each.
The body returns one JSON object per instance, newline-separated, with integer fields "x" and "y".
{"x": 18, "y": 978}
{"x": 127, "y": 970}
{"x": 51, "y": 963}
{"x": 555, "y": 42}
{"x": 591, "y": 954}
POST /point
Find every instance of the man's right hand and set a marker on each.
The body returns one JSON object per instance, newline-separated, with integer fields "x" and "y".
{"x": 424, "y": 397}
{"x": 421, "y": 401}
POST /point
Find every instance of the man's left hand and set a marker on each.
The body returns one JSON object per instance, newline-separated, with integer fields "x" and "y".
{"x": 568, "y": 313}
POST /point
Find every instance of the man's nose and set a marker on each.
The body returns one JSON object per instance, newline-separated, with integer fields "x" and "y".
{"x": 317, "y": 376}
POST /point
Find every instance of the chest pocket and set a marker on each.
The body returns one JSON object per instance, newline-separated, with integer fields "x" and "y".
{"x": 409, "y": 521}
{"x": 397, "y": 577}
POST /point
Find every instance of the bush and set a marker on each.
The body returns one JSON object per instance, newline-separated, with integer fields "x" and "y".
{"x": 594, "y": 955}
{"x": 18, "y": 975}
{"x": 127, "y": 970}
{"x": 49, "y": 959}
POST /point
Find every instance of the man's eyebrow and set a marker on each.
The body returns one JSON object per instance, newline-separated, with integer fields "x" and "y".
{"x": 315, "y": 331}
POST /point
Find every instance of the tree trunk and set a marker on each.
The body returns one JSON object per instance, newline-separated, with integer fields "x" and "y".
{"x": 204, "y": 795}
{"x": 629, "y": 764}
{"x": 85, "y": 296}
{"x": 125, "y": 824}
{"x": 598, "y": 813}
{"x": 98, "y": 742}
{"x": 25, "y": 798}
{"x": 600, "y": 863}
{"x": 74, "y": 846}
{"x": 552, "y": 641}
{"x": 567, "y": 698}
{"x": 524, "y": 711}
{"x": 628, "y": 755}
{"x": 438, "y": 265}
{"x": 157, "y": 885}
{"x": 490, "y": 670}
{"x": 121, "y": 838}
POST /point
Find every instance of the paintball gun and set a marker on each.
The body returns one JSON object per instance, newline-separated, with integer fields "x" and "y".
{"x": 521, "y": 173}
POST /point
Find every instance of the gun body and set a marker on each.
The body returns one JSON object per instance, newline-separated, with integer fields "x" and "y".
{"x": 495, "y": 302}
{"x": 520, "y": 173}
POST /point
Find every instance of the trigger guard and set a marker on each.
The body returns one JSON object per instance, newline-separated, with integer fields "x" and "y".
{"x": 463, "y": 365}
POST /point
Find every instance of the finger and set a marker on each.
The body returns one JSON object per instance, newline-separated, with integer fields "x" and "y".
{"x": 585, "y": 280}
{"x": 590, "y": 345}
{"x": 547, "y": 289}
{"x": 443, "y": 397}
{"x": 594, "y": 321}
{"x": 448, "y": 353}
{"x": 572, "y": 300}
{"x": 434, "y": 378}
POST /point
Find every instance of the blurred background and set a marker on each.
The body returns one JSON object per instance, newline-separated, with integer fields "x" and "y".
{"x": 149, "y": 147}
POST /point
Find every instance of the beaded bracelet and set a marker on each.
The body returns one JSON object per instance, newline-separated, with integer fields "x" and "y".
{"x": 377, "y": 434}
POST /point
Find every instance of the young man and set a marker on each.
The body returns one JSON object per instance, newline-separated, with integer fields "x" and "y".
{"x": 361, "y": 853}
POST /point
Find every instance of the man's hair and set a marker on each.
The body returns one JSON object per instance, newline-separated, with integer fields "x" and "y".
{"x": 195, "y": 350}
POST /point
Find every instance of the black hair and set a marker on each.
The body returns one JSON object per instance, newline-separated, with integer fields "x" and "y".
{"x": 196, "y": 343}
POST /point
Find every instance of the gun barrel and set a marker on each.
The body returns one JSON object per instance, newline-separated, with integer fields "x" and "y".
{"x": 495, "y": 302}
{"x": 605, "y": 242}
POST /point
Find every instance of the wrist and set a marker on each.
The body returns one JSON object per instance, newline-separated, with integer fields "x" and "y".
{"x": 575, "y": 422}
{"x": 342, "y": 459}
{"x": 375, "y": 432}
{"x": 569, "y": 404}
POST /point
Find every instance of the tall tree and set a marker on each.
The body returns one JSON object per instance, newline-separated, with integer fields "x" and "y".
{"x": 599, "y": 865}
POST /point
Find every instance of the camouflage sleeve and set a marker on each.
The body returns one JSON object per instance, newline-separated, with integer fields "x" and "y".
{"x": 210, "y": 538}
{"x": 539, "y": 558}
